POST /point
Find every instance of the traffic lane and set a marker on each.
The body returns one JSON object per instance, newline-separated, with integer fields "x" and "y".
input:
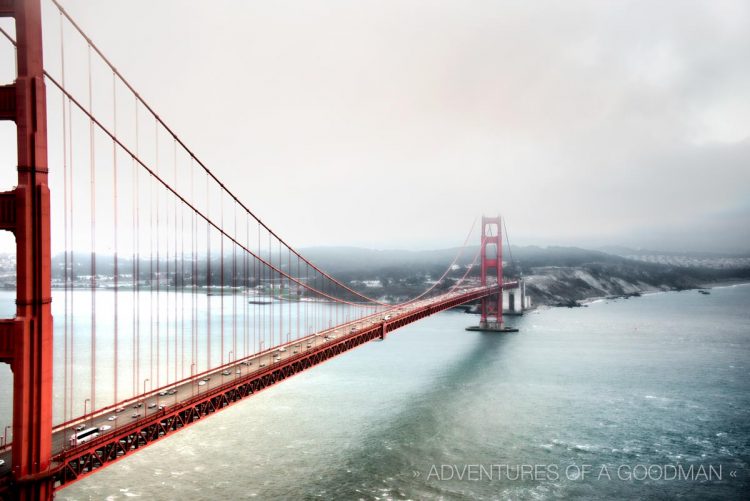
{"x": 189, "y": 389}
{"x": 185, "y": 391}
{"x": 61, "y": 439}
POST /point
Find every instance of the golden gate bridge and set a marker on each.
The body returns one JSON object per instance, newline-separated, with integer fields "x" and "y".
{"x": 172, "y": 300}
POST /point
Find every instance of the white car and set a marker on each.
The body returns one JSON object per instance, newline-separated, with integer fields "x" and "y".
{"x": 105, "y": 427}
{"x": 201, "y": 383}
{"x": 111, "y": 418}
{"x": 2, "y": 462}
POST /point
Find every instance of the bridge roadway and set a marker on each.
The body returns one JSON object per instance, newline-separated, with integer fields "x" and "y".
{"x": 162, "y": 401}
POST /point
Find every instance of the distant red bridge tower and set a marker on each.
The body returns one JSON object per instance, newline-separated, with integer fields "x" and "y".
{"x": 492, "y": 264}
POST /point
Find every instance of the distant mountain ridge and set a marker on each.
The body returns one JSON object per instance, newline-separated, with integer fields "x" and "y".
{"x": 350, "y": 260}
{"x": 629, "y": 251}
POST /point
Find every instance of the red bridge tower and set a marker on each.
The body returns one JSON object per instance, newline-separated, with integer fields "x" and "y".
{"x": 492, "y": 264}
{"x": 26, "y": 340}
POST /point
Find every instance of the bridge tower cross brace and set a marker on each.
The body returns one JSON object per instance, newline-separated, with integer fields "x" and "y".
{"x": 492, "y": 261}
{"x": 26, "y": 340}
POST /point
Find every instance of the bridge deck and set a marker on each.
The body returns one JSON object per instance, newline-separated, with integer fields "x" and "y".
{"x": 147, "y": 418}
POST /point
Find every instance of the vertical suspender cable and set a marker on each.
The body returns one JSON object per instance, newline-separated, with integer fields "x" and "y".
{"x": 258, "y": 312}
{"x": 273, "y": 292}
{"x": 234, "y": 284}
{"x": 221, "y": 275}
{"x": 289, "y": 295}
{"x": 245, "y": 304}
{"x": 281, "y": 299}
{"x": 93, "y": 241}
{"x": 157, "y": 278}
{"x": 115, "y": 230}
{"x": 193, "y": 274}
{"x": 262, "y": 316}
{"x": 150, "y": 284}
{"x": 134, "y": 349}
{"x": 174, "y": 282}
{"x": 72, "y": 259}
{"x": 208, "y": 278}
{"x": 137, "y": 266}
{"x": 299, "y": 299}
{"x": 65, "y": 231}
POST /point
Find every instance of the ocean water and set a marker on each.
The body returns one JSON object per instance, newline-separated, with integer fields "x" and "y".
{"x": 635, "y": 388}
{"x": 160, "y": 335}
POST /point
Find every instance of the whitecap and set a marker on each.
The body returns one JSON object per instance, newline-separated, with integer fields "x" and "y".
{"x": 583, "y": 447}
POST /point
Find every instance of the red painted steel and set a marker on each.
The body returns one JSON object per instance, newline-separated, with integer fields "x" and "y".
{"x": 492, "y": 307}
{"x": 26, "y": 341}
{"x": 30, "y": 335}
{"x": 77, "y": 463}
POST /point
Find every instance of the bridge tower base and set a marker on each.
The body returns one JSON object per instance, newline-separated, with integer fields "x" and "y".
{"x": 491, "y": 327}
{"x": 492, "y": 259}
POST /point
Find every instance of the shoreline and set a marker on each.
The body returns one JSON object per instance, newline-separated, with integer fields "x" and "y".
{"x": 722, "y": 284}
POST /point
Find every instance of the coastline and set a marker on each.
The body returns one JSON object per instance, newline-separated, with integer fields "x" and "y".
{"x": 648, "y": 292}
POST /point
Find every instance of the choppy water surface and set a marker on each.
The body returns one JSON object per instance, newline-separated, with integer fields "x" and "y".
{"x": 653, "y": 381}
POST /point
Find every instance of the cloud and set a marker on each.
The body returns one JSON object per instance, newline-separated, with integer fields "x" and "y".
{"x": 396, "y": 123}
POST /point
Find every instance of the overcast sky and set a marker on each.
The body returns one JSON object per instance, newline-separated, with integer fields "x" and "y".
{"x": 395, "y": 123}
